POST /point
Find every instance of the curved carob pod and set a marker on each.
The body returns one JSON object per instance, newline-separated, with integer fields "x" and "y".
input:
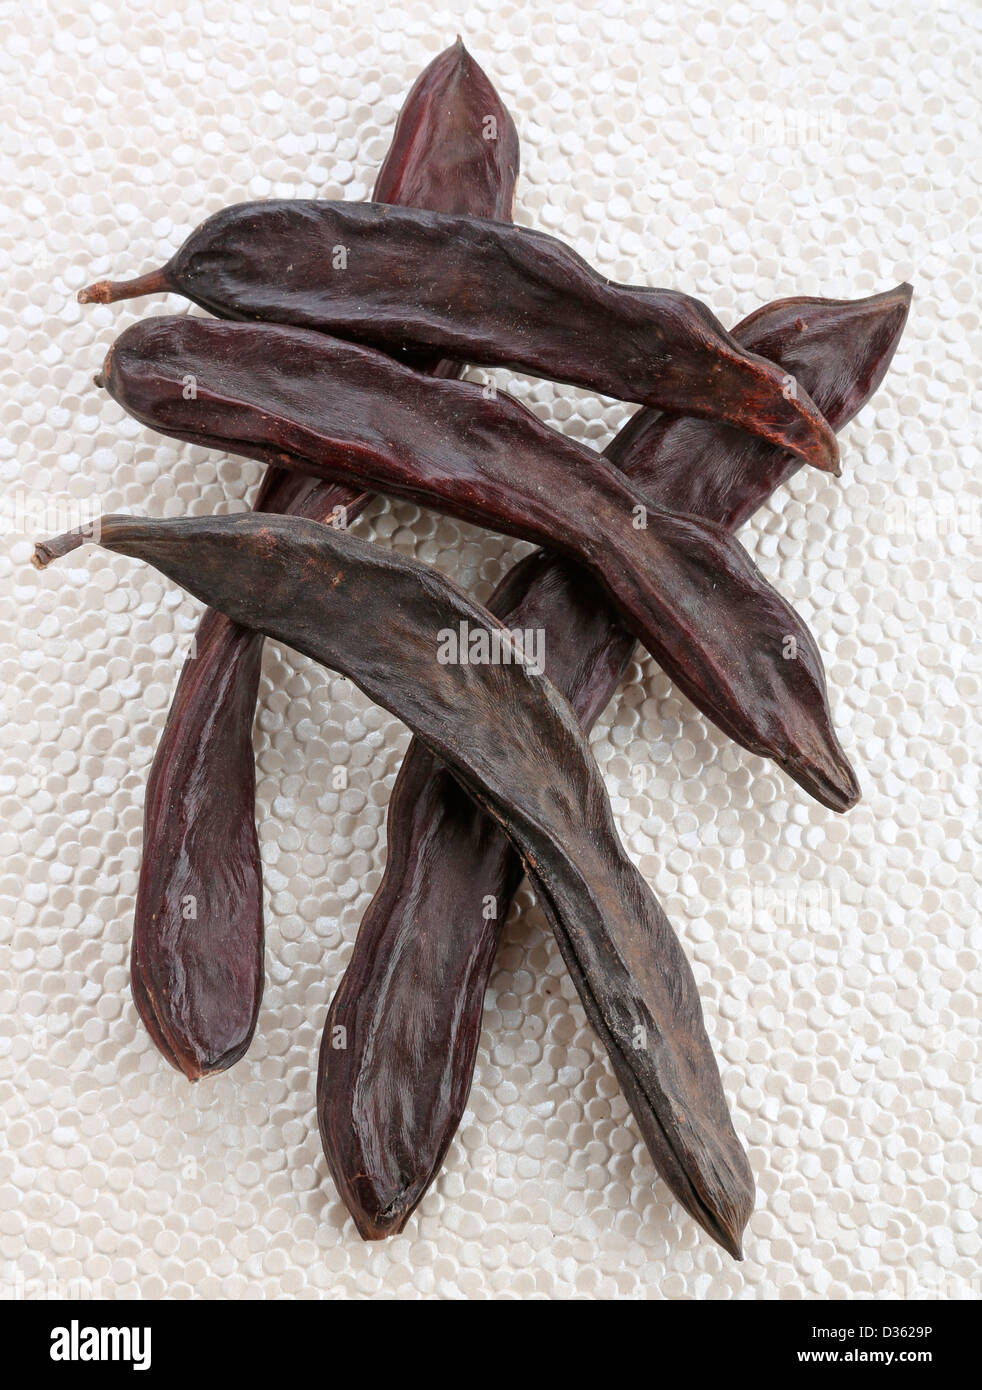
{"x": 412, "y": 998}
{"x": 839, "y": 348}
{"x": 516, "y": 745}
{"x": 484, "y": 292}
{"x": 196, "y": 964}
{"x": 685, "y": 589}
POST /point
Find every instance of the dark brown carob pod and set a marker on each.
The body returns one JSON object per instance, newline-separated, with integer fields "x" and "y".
{"x": 513, "y": 741}
{"x": 686, "y": 589}
{"x": 411, "y": 1001}
{"x": 486, "y": 292}
{"x": 196, "y": 965}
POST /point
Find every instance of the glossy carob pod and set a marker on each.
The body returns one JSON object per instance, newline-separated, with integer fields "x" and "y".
{"x": 686, "y": 589}
{"x": 486, "y": 292}
{"x": 411, "y": 1002}
{"x": 840, "y": 348}
{"x": 516, "y": 745}
{"x": 455, "y": 147}
{"x": 196, "y": 963}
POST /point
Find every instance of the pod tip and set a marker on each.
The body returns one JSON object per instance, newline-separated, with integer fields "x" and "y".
{"x": 826, "y": 455}
{"x": 725, "y": 1214}
{"x": 830, "y": 780}
{"x": 732, "y": 1245}
{"x": 378, "y": 1212}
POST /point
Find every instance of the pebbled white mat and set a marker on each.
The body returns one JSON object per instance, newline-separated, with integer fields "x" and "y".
{"x": 741, "y": 153}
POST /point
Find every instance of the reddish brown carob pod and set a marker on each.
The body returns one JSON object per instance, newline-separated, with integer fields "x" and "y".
{"x": 517, "y": 746}
{"x": 486, "y": 292}
{"x": 684, "y": 587}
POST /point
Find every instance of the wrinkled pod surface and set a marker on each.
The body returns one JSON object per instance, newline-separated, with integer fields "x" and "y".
{"x": 486, "y": 292}
{"x": 412, "y": 998}
{"x": 684, "y": 587}
{"x": 513, "y": 741}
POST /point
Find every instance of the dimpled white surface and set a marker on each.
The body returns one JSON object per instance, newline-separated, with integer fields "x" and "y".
{"x": 741, "y": 153}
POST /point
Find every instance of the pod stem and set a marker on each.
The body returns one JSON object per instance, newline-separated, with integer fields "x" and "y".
{"x": 109, "y": 291}
{"x": 46, "y": 551}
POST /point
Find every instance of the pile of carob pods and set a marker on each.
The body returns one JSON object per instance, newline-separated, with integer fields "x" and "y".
{"x": 334, "y": 356}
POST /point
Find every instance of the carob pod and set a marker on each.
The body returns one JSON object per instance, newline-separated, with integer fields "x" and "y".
{"x": 196, "y": 962}
{"x": 411, "y": 1001}
{"x": 513, "y": 741}
{"x": 196, "y": 965}
{"x": 485, "y": 292}
{"x": 685, "y": 588}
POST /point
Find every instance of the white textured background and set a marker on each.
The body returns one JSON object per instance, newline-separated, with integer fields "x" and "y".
{"x": 741, "y": 153}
